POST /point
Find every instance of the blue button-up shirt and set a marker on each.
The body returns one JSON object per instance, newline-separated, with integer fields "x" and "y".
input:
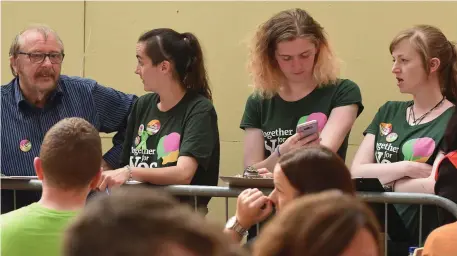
{"x": 105, "y": 108}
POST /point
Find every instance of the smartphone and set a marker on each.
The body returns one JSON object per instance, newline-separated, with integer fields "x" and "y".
{"x": 308, "y": 128}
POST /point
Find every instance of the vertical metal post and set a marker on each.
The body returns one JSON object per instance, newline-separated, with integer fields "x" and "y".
{"x": 226, "y": 209}
{"x": 420, "y": 226}
{"x": 195, "y": 203}
{"x": 385, "y": 229}
{"x": 14, "y": 199}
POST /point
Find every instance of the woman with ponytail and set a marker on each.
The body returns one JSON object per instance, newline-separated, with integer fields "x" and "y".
{"x": 172, "y": 134}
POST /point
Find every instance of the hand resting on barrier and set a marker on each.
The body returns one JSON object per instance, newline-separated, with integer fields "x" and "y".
{"x": 113, "y": 178}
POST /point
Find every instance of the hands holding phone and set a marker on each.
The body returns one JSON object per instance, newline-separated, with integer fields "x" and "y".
{"x": 307, "y": 134}
{"x": 298, "y": 140}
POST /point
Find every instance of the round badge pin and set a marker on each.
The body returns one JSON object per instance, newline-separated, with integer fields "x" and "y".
{"x": 392, "y": 137}
{"x": 25, "y": 145}
{"x": 140, "y": 129}
{"x": 385, "y": 128}
{"x": 153, "y": 127}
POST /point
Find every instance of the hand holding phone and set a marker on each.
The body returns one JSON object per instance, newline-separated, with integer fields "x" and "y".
{"x": 307, "y": 128}
{"x": 306, "y": 133}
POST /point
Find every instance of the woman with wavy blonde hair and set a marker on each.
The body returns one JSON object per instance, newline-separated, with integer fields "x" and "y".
{"x": 295, "y": 75}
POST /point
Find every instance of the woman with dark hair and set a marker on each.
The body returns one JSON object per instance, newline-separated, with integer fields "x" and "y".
{"x": 172, "y": 134}
{"x": 441, "y": 241}
{"x": 446, "y": 173}
{"x": 328, "y": 223}
{"x": 302, "y": 171}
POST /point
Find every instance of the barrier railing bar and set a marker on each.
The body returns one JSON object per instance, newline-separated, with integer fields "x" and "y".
{"x": 217, "y": 191}
{"x": 409, "y": 198}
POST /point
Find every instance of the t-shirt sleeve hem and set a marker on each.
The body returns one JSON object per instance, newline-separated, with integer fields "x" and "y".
{"x": 369, "y": 131}
{"x": 348, "y": 103}
{"x": 248, "y": 125}
{"x": 201, "y": 161}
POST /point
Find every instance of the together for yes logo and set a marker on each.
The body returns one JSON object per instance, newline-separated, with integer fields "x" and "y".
{"x": 418, "y": 150}
{"x": 274, "y": 138}
{"x": 168, "y": 148}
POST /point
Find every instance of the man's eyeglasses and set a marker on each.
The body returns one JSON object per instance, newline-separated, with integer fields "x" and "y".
{"x": 55, "y": 58}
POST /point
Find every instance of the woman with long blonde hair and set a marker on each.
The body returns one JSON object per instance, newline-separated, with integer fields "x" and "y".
{"x": 295, "y": 76}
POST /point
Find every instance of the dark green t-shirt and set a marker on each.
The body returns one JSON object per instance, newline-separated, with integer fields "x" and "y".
{"x": 396, "y": 140}
{"x": 156, "y": 139}
{"x": 278, "y": 119}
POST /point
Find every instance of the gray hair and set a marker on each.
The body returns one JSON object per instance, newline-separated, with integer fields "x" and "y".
{"x": 18, "y": 40}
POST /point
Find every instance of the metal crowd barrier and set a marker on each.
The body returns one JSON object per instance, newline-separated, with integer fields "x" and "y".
{"x": 230, "y": 192}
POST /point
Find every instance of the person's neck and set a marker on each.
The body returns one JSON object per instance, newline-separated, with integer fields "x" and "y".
{"x": 171, "y": 96}
{"x": 291, "y": 91}
{"x": 34, "y": 97}
{"x": 63, "y": 200}
{"x": 427, "y": 97}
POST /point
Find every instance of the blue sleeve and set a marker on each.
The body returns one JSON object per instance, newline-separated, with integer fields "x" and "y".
{"x": 113, "y": 108}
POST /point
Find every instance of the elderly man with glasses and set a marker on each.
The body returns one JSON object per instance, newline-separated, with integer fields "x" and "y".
{"x": 39, "y": 96}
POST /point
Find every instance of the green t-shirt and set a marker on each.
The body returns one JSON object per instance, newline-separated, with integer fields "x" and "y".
{"x": 396, "y": 140}
{"x": 278, "y": 119}
{"x": 156, "y": 139}
{"x": 33, "y": 230}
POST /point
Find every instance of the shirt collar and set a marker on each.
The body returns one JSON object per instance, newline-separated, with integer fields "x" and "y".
{"x": 19, "y": 97}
